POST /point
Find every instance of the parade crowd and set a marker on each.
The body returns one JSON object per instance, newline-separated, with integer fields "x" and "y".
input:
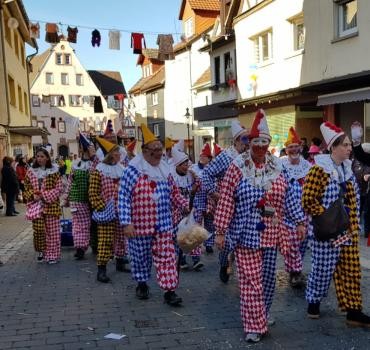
{"x": 252, "y": 204}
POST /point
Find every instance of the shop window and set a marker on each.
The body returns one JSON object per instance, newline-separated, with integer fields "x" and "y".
{"x": 346, "y": 14}
{"x": 217, "y": 69}
{"x": 11, "y": 90}
{"x": 79, "y": 79}
{"x": 49, "y": 78}
{"x": 263, "y": 46}
{"x": 64, "y": 79}
{"x": 25, "y": 100}
{"x": 20, "y": 99}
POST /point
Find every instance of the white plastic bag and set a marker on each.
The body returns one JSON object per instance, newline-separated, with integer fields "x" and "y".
{"x": 190, "y": 234}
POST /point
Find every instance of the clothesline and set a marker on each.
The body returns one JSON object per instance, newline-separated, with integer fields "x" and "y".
{"x": 105, "y": 29}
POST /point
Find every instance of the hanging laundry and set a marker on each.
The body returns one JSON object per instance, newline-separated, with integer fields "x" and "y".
{"x": 51, "y": 35}
{"x": 114, "y": 39}
{"x": 95, "y": 38}
{"x": 98, "y": 107}
{"x": 34, "y": 30}
{"x": 138, "y": 42}
{"x": 165, "y": 42}
{"x": 72, "y": 34}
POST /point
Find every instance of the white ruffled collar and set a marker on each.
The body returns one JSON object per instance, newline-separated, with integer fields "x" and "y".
{"x": 326, "y": 163}
{"x": 154, "y": 173}
{"x": 40, "y": 173}
{"x": 296, "y": 171}
{"x": 259, "y": 177}
{"x": 232, "y": 152}
{"x": 111, "y": 171}
{"x": 82, "y": 165}
{"x": 182, "y": 181}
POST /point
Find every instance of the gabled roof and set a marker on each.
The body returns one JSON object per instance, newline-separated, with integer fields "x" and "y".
{"x": 204, "y": 79}
{"x": 156, "y": 80}
{"x": 108, "y": 82}
{"x": 37, "y": 63}
{"x": 152, "y": 54}
{"x": 205, "y": 5}
{"x": 137, "y": 86}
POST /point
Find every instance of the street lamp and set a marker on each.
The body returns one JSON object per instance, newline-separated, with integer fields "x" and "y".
{"x": 187, "y": 116}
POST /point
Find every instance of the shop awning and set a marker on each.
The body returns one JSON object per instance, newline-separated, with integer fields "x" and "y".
{"x": 344, "y": 97}
{"x": 28, "y": 130}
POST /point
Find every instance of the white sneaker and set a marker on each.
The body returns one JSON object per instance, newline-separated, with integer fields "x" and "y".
{"x": 253, "y": 337}
{"x": 52, "y": 262}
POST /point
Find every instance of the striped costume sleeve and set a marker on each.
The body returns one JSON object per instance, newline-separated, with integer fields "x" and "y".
{"x": 226, "y": 203}
{"x": 128, "y": 181}
{"x": 313, "y": 190}
{"x": 95, "y": 198}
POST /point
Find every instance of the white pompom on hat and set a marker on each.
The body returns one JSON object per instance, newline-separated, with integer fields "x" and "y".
{"x": 330, "y": 133}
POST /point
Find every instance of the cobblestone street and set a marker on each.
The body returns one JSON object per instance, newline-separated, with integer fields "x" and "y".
{"x": 63, "y": 307}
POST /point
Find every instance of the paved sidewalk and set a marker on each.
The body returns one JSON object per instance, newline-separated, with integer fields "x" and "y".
{"x": 63, "y": 307}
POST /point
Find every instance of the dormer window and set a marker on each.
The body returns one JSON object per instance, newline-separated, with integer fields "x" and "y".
{"x": 189, "y": 27}
{"x": 147, "y": 70}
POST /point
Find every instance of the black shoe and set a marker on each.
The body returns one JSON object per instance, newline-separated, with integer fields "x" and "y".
{"x": 40, "y": 257}
{"x": 142, "y": 291}
{"x": 16, "y": 212}
{"x": 80, "y": 254}
{"x": 297, "y": 280}
{"x": 121, "y": 266}
{"x": 197, "y": 266}
{"x": 171, "y": 298}
{"x": 356, "y": 318}
{"x": 1, "y": 263}
{"x": 313, "y": 311}
{"x": 209, "y": 250}
{"x": 224, "y": 276}
{"x": 12, "y": 214}
{"x": 102, "y": 274}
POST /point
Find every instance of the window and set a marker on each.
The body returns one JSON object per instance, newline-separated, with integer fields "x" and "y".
{"x": 41, "y": 124}
{"x": 299, "y": 32}
{"x": 217, "y": 70}
{"x": 156, "y": 130}
{"x": 154, "y": 98}
{"x": 147, "y": 70}
{"x": 8, "y": 33}
{"x": 189, "y": 27}
{"x": 346, "y": 11}
{"x": 25, "y": 100}
{"x": 58, "y": 58}
{"x": 57, "y": 101}
{"x": 11, "y": 90}
{"x": 74, "y": 100}
{"x": 61, "y": 127}
{"x": 64, "y": 79}
{"x": 49, "y": 78}
{"x": 20, "y": 99}
{"x": 16, "y": 44}
{"x": 67, "y": 58}
{"x": 35, "y": 101}
{"x": 228, "y": 67}
{"x": 263, "y": 47}
{"x": 22, "y": 58}
{"x": 79, "y": 79}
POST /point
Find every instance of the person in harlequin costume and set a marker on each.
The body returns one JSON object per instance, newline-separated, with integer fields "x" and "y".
{"x": 255, "y": 196}
{"x": 205, "y": 158}
{"x": 146, "y": 196}
{"x": 78, "y": 197}
{"x": 103, "y": 189}
{"x": 296, "y": 169}
{"x": 330, "y": 178}
{"x": 217, "y": 149}
{"x": 212, "y": 175}
{"x": 188, "y": 184}
{"x": 43, "y": 187}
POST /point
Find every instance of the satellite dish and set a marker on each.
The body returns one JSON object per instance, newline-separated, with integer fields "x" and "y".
{"x": 13, "y": 23}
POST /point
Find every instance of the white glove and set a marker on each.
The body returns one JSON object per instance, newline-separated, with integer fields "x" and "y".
{"x": 356, "y": 133}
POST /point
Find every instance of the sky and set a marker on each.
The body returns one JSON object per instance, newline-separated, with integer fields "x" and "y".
{"x": 145, "y": 16}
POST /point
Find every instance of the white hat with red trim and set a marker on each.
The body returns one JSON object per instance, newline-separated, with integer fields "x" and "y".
{"x": 260, "y": 127}
{"x": 330, "y": 133}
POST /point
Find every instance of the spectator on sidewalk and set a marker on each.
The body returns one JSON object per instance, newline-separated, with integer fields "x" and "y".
{"x": 21, "y": 170}
{"x": 9, "y": 185}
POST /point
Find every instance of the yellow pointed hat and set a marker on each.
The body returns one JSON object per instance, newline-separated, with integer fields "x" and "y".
{"x": 168, "y": 143}
{"x": 105, "y": 145}
{"x": 148, "y": 136}
{"x": 292, "y": 137}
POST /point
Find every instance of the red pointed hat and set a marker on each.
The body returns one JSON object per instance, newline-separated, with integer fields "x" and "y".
{"x": 131, "y": 146}
{"x": 293, "y": 137}
{"x": 216, "y": 149}
{"x": 206, "y": 150}
{"x": 260, "y": 127}
{"x": 330, "y": 132}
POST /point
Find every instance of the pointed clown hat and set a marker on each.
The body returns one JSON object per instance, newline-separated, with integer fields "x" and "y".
{"x": 260, "y": 127}
{"x": 109, "y": 131}
{"x": 178, "y": 157}
{"x": 293, "y": 137}
{"x": 148, "y": 136}
{"x": 131, "y": 146}
{"x": 236, "y": 129}
{"x": 168, "y": 143}
{"x": 105, "y": 145}
{"x": 330, "y": 132}
{"x": 179, "y": 145}
{"x": 216, "y": 149}
{"x": 206, "y": 150}
{"x": 84, "y": 142}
